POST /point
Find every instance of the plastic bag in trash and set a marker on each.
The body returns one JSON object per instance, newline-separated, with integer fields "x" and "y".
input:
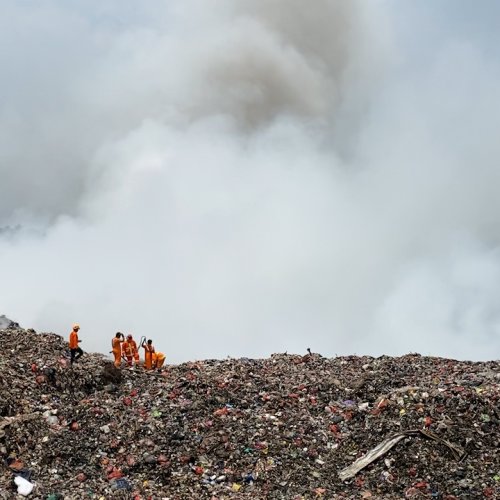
{"x": 24, "y": 487}
{"x": 122, "y": 484}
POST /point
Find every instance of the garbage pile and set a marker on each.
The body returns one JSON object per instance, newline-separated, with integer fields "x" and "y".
{"x": 7, "y": 323}
{"x": 286, "y": 427}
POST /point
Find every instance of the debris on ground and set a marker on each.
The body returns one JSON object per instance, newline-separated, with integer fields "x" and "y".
{"x": 386, "y": 445}
{"x": 286, "y": 427}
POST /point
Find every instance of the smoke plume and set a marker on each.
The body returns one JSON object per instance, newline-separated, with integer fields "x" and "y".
{"x": 241, "y": 177}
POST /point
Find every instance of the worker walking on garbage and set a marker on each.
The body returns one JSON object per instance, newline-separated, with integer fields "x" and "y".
{"x": 129, "y": 350}
{"x": 149, "y": 351}
{"x": 116, "y": 345}
{"x": 74, "y": 348}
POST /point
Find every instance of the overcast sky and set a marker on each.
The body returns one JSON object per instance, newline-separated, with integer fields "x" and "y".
{"x": 243, "y": 177}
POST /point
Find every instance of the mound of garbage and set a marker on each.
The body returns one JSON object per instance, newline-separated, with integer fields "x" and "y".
{"x": 286, "y": 427}
{"x": 6, "y": 322}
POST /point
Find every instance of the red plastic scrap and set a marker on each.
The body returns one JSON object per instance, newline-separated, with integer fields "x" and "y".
{"x": 16, "y": 465}
{"x": 421, "y": 485}
{"x": 115, "y": 473}
{"x": 221, "y": 411}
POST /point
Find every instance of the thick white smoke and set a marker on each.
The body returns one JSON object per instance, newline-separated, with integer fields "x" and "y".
{"x": 241, "y": 177}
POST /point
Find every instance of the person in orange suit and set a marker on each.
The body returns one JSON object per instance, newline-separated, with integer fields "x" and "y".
{"x": 158, "y": 360}
{"x": 74, "y": 348}
{"x": 116, "y": 344}
{"x": 129, "y": 349}
{"x": 135, "y": 350}
{"x": 149, "y": 351}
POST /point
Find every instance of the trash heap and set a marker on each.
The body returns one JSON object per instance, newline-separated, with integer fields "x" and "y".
{"x": 6, "y": 322}
{"x": 286, "y": 427}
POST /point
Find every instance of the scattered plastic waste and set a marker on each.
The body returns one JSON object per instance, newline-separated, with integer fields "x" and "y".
{"x": 122, "y": 484}
{"x": 24, "y": 487}
{"x": 289, "y": 426}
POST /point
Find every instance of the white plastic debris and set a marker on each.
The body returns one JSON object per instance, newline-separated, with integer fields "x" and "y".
{"x": 24, "y": 487}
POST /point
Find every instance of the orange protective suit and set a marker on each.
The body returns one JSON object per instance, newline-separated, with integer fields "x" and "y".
{"x": 74, "y": 349}
{"x": 117, "y": 350}
{"x": 129, "y": 349}
{"x": 135, "y": 351}
{"x": 149, "y": 352}
{"x": 158, "y": 359}
{"x": 73, "y": 340}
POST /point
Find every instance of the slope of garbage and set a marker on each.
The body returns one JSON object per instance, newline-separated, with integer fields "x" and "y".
{"x": 6, "y": 322}
{"x": 286, "y": 427}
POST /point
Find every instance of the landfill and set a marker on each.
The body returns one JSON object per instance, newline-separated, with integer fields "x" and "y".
{"x": 292, "y": 426}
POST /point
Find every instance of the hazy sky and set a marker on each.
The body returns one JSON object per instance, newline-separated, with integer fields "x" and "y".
{"x": 243, "y": 177}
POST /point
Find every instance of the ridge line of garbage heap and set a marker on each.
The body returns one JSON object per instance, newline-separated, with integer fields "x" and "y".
{"x": 285, "y": 427}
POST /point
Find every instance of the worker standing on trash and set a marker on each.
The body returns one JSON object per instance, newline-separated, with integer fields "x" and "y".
{"x": 74, "y": 348}
{"x": 129, "y": 350}
{"x": 116, "y": 345}
{"x": 135, "y": 350}
{"x": 149, "y": 350}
